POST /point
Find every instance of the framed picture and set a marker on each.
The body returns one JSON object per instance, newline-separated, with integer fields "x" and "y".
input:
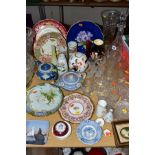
{"x": 37, "y": 131}
{"x": 121, "y": 132}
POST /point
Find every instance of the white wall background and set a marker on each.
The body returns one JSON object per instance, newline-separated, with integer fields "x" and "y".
{"x": 71, "y": 14}
{"x": 52, "y": 12}
{"x": 74, "y": 14}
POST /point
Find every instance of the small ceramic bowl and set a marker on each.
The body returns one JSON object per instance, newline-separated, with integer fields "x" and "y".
{"x": 100, "y": 121}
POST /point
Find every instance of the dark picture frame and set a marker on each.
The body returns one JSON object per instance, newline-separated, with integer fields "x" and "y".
{"x": 117, "y": 127}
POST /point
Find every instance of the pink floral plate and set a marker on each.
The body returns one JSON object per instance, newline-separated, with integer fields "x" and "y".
{"x": 46, "y": 22}
{"x": 76, "y": 108}
{"x": 43, "y": 47}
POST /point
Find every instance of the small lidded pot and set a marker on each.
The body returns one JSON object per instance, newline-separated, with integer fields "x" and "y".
{"x": 61, "y": 130}
{"x": 47, "y": 71}
{"x": 78, "y": 62}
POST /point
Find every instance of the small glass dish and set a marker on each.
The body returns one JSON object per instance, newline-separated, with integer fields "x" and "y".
{"x": 121, "y": 111}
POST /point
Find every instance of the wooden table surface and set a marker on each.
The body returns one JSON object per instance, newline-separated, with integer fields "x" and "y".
{"x": 72, "y": 140}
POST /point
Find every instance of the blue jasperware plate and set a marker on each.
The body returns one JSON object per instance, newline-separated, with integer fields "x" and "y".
{"x": 82, "y": 31}
{"x": 89, "y": 132}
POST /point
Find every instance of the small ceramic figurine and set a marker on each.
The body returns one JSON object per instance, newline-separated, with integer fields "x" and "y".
{"x": 47, "y": 71}
{"x": 62, "y": 64}
{"x": 107, "y": 132}
{"x": 78, "y": 62}
{"x": 109, "y": 116}
{"x": 72, "y": 47}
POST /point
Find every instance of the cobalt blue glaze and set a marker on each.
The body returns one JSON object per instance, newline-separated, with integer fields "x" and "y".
{"x": 45, "y": 67}
{"x": 84, "y": 27}
{"x": 47, "y": 72}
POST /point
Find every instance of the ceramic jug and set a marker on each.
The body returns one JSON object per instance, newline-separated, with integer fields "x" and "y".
{"x": 78, "y": 62}
{"x": 47, "y": 71}
{"x": 62, "y": 64}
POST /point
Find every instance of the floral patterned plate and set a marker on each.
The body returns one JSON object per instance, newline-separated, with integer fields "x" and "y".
{"x": 83, "y": 31}
{"x": 43, "y": 99}
{"x": 89, "y": 132}
{"x": 45, "y": 30}
{"x": 76, "y": 108}
{"x": 43, "y": 50}
{"x": 50, "y": 22}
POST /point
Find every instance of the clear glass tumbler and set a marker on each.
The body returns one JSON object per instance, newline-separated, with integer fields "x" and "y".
{"x": 87, "y": 87}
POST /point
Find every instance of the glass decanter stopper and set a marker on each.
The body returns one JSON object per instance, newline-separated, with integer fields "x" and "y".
{"x": 116, "y": 49}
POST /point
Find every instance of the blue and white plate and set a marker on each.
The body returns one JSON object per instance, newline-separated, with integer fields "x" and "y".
{"x": 83, "y": 31}
{"x": 89, "y": 132}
